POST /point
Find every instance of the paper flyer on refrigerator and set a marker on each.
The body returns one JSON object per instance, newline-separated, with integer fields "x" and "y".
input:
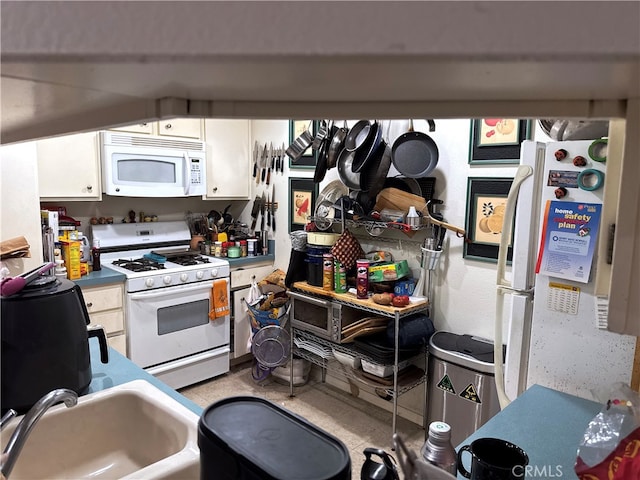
{"x": 568, "y": 240}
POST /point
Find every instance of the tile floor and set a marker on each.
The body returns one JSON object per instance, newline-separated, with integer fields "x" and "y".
{"x": 357, "y": 423}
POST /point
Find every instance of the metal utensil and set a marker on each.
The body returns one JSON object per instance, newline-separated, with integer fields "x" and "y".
{"x": 256, "y": 154}
{"x": 273, "y": 207}
{"x": 265, "y": 158}
{"x": 270, "y": 160}
{"x": 263, "y": 205}
{"x": 254, "y": 212}
{"x": 268, "y": 209}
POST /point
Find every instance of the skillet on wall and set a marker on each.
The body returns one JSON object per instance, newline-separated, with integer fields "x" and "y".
{"x": 414, "y": 154}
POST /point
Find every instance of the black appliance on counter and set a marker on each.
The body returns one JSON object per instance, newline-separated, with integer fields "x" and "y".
{"x": 45, "y": 342}
{"x": 250, "y": 438}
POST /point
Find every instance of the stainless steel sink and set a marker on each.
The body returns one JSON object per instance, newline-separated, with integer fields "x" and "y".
{"x": 133, "y": 430}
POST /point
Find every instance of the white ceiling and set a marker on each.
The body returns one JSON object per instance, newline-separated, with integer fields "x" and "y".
{"x": 70, "y": 66}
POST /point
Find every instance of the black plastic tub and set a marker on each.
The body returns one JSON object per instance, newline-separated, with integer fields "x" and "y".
{"x": 251, "y": 438}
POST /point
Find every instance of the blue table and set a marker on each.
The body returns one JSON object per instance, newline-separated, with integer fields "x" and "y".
{"x": 547, "y": 424}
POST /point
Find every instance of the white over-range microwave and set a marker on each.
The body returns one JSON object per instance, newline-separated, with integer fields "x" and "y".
{"x": 151, "y": 166}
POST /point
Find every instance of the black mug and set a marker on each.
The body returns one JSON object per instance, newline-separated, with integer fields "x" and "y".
{"x": 494, "y": 459}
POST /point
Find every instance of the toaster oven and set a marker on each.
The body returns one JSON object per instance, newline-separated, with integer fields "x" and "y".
{"x": 322, "y": 317}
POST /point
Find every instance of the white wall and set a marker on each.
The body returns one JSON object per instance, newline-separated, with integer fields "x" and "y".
{"x": 276, "y": 132}
{"x": 19, "y": 207}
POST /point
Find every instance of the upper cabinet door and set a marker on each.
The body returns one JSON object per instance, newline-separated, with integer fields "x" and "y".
{"x": 69, "y": 168}
{"x": 137, "y": 128}
{"x": 228, "y": 159}
{"x": 181, "y": 127}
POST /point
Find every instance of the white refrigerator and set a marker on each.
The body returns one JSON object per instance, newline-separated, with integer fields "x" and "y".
{"x": 549, "y": 320}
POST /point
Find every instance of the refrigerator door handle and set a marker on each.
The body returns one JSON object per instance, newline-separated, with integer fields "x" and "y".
{"x": 503, "y": 285}
{"x": 523, "y": 172}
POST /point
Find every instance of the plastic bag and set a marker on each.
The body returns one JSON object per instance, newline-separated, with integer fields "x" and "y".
{"x": 610, "y": 447}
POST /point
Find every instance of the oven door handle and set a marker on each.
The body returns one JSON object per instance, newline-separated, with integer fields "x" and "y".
{"x": 162, "y": 293}
{"x": 313, "y": 300}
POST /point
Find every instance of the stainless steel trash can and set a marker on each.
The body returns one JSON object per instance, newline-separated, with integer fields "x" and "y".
{"x": 461, "y": 388}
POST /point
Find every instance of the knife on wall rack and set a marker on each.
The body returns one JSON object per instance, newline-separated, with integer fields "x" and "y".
{"x": 273, "y": 207}
{"x": 256, "y": 154}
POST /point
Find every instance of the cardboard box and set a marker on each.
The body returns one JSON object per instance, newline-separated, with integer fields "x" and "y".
{"x": 71, "y": 253}
{"x": 389, "y": 271}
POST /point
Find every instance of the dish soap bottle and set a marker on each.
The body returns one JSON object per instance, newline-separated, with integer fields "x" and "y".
{"x": 413, "y": 219}
{"x": 438, "y": 449}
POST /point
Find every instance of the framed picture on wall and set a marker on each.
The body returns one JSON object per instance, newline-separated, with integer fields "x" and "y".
{"x": 486, "y": 202}
{"x": 303, "y": 193}
{"x": 497, "y": 140}
{"x": 308, "y": 160}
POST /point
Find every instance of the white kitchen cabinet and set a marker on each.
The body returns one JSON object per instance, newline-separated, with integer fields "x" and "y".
{"x": 241, "y": 324}
{"x": 148, "y": 128}
{"x": 240, "y": 282}
{"x": 174, "y": 127}
{"x": 69, "y": 168}
{"x": 228, "y": 159}
{"x": 105, "y": 306}
{"x": 181, "y": 127}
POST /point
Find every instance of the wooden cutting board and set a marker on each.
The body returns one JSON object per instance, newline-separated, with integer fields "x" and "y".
{"x": 396, "y": 199}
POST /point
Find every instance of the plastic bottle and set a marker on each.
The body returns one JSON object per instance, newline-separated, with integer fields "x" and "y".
{"x": 413, "y": 219}
{"x": 95, "y": 255}
{"x": 60, "y": 270}
{"x": 438, "y": 449}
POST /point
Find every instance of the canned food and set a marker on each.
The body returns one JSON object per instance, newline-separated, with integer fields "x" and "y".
{"x": 339, "y": 277}
{"x": 327, "y": 271}
{"x": 362, "y": 279}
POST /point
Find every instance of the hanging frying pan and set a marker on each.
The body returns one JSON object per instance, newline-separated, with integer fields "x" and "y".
{"x": 374, "y": 173}
{"x": 346, "y": 174}
{"x": 368, "y": 149}
{"x": 357, "y": 135}
{"x": 414, "y": 154}
{"x": 321, "y": 166}
{"x": 336, "y": 145}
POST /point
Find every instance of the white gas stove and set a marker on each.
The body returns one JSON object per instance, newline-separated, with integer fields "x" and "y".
{"x": 169, "y": 296}
{"x": 155, "y": 255}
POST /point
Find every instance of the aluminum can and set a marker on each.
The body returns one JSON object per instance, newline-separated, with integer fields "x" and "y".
{"x": 438, "y": 449}
{"x": 362, "y": 279}
{"x": 327, "y": 271}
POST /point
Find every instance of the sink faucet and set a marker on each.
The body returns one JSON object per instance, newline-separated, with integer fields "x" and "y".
{"x": 22, "y": 431}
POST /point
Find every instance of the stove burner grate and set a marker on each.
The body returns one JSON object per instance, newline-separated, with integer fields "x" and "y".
{"x": 190, "y": 260}
{"x": 139, "y": 265}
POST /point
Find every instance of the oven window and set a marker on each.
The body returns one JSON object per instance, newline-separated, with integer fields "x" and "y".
{"x": 146, "y": 170}
{"x": 183, "y": 316}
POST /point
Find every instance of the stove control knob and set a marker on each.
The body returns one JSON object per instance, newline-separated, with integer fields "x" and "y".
{"x": 166, "y": 279}
{"x": 199, "y": 274}
{"x": 214, "y": 272}
{"x": 149, "y": 282}
{"x": 184, "y": 277}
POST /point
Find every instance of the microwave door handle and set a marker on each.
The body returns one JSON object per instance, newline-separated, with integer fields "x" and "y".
{"x": 186, "y": 176}
{"x": 315, "y": 301}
